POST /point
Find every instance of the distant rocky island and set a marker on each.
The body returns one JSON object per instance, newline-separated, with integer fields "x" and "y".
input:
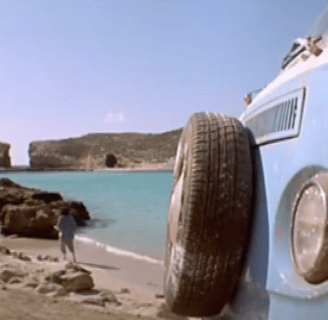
{"x": 106, "y": 150}
{"x": 4, "y": 155}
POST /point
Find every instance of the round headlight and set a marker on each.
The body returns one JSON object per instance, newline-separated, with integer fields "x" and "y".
{"x": 309, "y": 232}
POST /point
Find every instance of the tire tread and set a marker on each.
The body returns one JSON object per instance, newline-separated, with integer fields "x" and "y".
{"x": 220, "y": 187}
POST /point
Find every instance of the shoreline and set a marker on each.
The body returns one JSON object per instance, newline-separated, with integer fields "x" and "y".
{"x": 136, "y": 283}
{"x": 145, "y": 168}
{"x": 136, "y": 271}
{"x": 142, "y": 280}
{"x": 116, "y": 250}
{"x": 28, "y": 169}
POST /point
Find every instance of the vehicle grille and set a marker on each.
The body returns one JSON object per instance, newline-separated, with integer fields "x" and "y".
{"x": 280, "y": 119}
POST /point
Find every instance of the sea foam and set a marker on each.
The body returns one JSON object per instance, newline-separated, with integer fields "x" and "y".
{"x": 119, "y": 252}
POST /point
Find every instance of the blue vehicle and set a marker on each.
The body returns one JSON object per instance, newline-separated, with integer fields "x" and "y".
{"x": 247, "y": 234}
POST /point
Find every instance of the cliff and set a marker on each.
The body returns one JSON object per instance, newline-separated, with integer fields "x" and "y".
{"x": 4, "y": 155}
{"x": 106, "y": 150}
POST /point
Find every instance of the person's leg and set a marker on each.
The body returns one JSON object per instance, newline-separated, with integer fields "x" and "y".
{"x": 70, "y": 246}
{"x": 62, "y": 247}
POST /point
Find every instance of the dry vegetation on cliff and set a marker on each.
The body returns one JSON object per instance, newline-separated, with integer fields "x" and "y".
{"x": 129, "y": 150}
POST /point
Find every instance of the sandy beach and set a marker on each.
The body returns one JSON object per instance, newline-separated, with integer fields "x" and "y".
{"x": 136, "y": 285}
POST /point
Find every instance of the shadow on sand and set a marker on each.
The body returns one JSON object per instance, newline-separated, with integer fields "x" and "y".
{"x": 98, "y": 266}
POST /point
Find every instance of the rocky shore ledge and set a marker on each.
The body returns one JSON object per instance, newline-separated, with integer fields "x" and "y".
{"x": 72, "y": 278}
{"x": 32, "y": 212}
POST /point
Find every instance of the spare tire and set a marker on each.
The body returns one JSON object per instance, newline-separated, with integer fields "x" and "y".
{"x": 208, "y": 215}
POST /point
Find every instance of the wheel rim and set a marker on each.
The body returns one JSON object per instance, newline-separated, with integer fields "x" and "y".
{"x": 176, "y": 197}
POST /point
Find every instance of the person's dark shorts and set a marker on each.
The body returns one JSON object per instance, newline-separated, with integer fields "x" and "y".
{"x": 66, "y": 243}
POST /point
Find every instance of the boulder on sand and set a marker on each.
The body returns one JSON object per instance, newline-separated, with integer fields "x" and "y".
{"x": 78, "y": 281}
{"x": 7, "y": 274}
{"x": 4, "y": 250}
{"x": 14, "y": 280}
{"x": 72, "y": 278}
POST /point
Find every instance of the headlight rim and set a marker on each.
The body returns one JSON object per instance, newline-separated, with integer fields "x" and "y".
{"x": 317, "y": 274}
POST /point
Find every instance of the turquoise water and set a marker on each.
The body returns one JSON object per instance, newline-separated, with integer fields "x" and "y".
{"x": 132, "y": 206}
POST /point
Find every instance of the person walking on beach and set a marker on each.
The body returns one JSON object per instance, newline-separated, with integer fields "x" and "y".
{"x": 66, "y": 226}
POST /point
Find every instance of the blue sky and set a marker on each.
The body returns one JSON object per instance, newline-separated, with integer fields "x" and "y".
{"x": 68, "y": 68}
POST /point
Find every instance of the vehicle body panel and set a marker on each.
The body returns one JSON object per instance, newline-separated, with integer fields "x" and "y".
{"x": 284, "y": 159}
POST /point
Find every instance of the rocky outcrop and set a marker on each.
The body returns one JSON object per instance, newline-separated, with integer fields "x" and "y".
{"x": 70, "y": 279}
{"x": 4, "y": 155}
{"x": 40, "y": 285}
{"x": 32, "y": 212}
{"x": 102, "y": 150}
